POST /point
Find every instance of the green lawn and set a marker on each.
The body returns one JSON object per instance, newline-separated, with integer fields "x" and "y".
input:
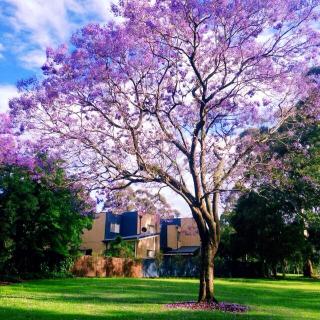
{"x": 95, "y": 299}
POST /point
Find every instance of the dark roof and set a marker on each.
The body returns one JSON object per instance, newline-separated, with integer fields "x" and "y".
{"x": 135, "y": 237}
{"x": 184, "y": 251}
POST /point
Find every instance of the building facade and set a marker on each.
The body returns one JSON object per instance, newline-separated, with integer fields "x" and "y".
{"x": 141, "y": 230}
{"x": 147, "y": 234}
{"x": 179, "y": 236}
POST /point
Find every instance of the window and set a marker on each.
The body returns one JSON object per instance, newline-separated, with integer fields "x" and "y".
{"x": 115, "y": 227}
{"x": 151, "y": 253}
{"x": 88, "y": 252}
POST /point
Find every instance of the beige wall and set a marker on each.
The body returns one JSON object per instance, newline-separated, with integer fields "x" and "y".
{"x": 143, "y": 245}
{"x": 92, "y": 239}
{"x": 189, "y": 235}
{"x": 146, "y": 220}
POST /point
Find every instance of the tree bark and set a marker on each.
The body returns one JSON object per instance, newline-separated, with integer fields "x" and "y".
{"x": 206, "y": 287}
{"x": 207, "y": 220}
{"x": 308, "y": 269}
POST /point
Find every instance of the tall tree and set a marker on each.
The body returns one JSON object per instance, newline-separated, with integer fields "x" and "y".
{"x": 287, "y": 195}
{"x": 163, "y": 97}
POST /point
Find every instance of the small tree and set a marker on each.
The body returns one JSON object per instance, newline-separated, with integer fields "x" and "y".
{"x": 164, "y": 96}
{"x": 120, "y": 249}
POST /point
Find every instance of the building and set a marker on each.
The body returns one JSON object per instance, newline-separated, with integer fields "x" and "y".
{"x": 141, "y": 230}
{"x": 179, "y": 236}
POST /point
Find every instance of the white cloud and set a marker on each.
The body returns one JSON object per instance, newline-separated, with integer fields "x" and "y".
{"x": 1, "y": 50}
{"x": 37, "y": 24}
{"x": 33, "y": 59}
{"x": 6, "y": 93}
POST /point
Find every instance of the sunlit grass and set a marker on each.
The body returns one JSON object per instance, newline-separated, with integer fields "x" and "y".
{"x": 77, "y": 299}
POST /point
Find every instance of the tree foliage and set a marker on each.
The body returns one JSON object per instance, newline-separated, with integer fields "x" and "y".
{"x": 41, "y": 219}
{"x": 266, "y": 230}
{"x": 121, "y": 249}
{"x": 279, "y": 222}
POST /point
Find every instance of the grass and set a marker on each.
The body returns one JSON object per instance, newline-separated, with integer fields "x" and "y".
{"x": 97, "y": 299}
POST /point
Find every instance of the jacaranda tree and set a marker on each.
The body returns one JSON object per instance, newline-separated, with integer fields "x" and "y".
{"x": 175, "y": 93}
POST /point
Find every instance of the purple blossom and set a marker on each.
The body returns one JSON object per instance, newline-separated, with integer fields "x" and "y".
{"x": 278, "y": 26}
{"x": 26, "y": 84}
{"x": 150, "y": 24}
{"x": 221, "y": 306}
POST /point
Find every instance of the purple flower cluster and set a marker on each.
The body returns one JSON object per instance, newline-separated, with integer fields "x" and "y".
{"x": 13, "y": 149}
{"x": 221, "y": 306}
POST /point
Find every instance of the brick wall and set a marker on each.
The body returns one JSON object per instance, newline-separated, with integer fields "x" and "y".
{"x": 91, "y": 266}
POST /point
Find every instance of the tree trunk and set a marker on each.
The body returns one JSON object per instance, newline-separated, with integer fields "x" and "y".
{"x": 274, "y": 270}
{"x": 308, "y": 269}
{"x": 206, "y": 288}
{"x": 209, "y": 230}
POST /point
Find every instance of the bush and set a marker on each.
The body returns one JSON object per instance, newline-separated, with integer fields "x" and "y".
{"x": 119, "y": 248}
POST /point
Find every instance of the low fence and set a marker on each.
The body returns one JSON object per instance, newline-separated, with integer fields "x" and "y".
{"x": 90, "y": 266}
{"x": 95, "y": 266}
{"x": 170, "y": 266}
{"x": 179, "y": 266}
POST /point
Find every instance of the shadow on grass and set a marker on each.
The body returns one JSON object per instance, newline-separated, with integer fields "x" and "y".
{"x": 18, "y": 314}
{"x": 145, "y": 299}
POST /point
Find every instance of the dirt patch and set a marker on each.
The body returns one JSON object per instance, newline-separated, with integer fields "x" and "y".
{"x": 221, "y": 306}
{"x": 2, "y": 283}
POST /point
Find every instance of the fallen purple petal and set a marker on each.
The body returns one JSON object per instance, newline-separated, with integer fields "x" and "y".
{"x": 221, "y": 306}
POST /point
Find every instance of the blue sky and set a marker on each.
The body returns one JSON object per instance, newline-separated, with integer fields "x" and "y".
{"x": 28, "y": 27}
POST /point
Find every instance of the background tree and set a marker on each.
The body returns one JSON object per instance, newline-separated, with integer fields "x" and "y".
{"x": 41, "y": 219}
{"x": 274, "y": 222}
{"x": 313, "y": 248}
{"x": 267, "y": 230}
{"x": 163, "y": 96}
